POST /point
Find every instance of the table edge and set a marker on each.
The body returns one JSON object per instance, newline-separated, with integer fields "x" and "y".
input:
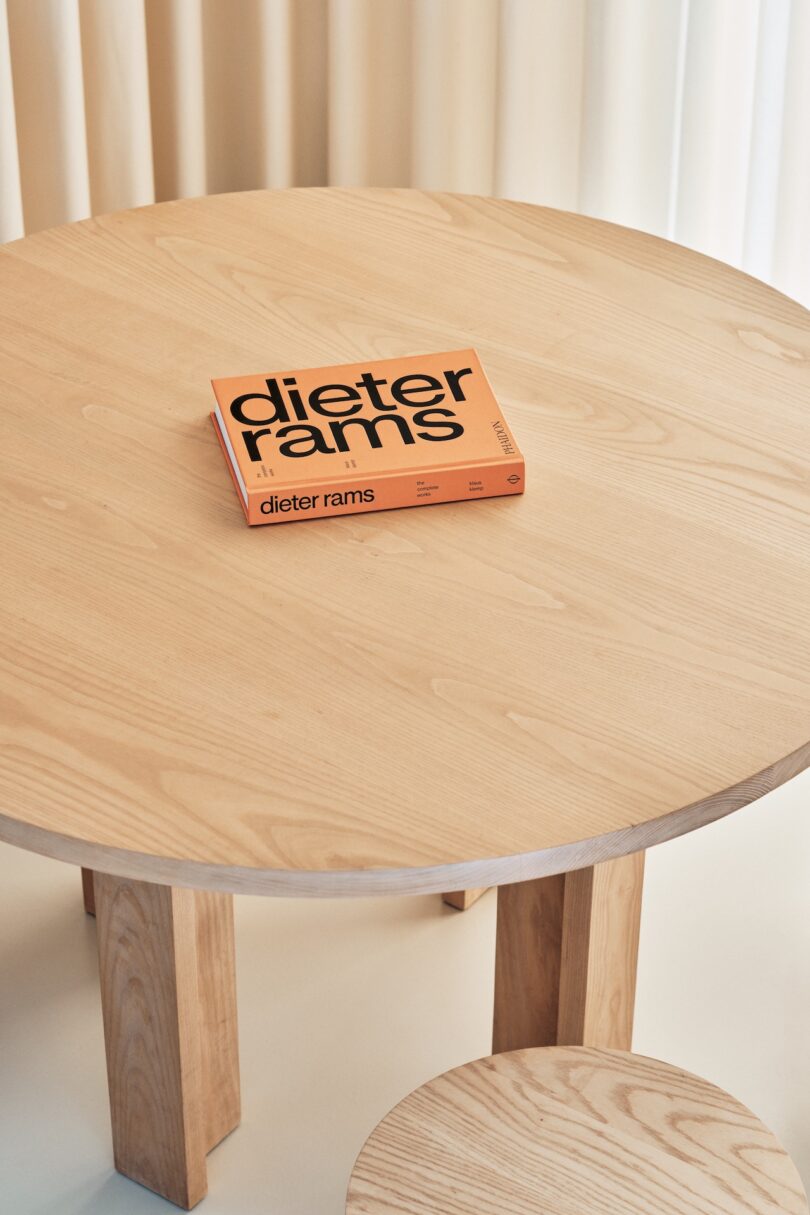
{"x": 431, "y": 879}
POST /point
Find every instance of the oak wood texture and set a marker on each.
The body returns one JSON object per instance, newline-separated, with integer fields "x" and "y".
{"x": 462, "y": 900}
{"x": 601, "y": 921}
{"x": 566, "y": 949}
{"x": 168, "y": 1001}
{"x": 528, "y": 949}
{"x": 219, "y": 1041}
{"x": 433, "y": 699}
{"x": 573, "y": 1131}
{"x": 88, "y": 892}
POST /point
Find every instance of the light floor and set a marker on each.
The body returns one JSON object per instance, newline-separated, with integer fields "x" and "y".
{"x": 345, "y": 1006}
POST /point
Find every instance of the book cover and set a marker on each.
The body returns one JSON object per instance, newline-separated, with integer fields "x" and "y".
{"x": 365, "y": 436}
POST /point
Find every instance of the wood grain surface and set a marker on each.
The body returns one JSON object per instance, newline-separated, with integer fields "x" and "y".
{"x": 150, "y": 1000}
{"x": 566, "y": 949}
{"x": 88, "y": 891}
{"x": 219, "y": 1037}
{"x": 168, "y": 996}
{"x": 599, "y": 952}
{"x": 572, "y": 1131}
{"x": 462, "y": 900}
{"x": 433, "y": 699}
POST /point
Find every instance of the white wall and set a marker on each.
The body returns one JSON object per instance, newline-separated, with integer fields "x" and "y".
{"x": 724, "y": 967}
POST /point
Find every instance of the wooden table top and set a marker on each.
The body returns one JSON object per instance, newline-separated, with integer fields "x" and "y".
{"x": 572, "y": 1131}
{"x": 416, "y": 700}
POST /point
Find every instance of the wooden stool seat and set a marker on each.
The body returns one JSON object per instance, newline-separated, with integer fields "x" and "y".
{"x": 572, "y": 1131}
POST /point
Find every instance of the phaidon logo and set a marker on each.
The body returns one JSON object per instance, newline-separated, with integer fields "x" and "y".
{"x": 503, "y": 438}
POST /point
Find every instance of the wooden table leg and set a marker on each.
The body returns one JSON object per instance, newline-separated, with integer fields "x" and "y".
{"x": 166, "y": 963}
{"x": 217, "y": 987}
{"x": 565, "y": 958}
{"x": 462, "y": 899}
{"x": 88, "y": 892}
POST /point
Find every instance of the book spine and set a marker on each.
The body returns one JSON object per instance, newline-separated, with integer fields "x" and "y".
{"x": 388, "y": 491}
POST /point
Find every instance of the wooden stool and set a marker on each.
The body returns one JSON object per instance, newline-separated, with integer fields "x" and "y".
{"x": 572, "y": 1131}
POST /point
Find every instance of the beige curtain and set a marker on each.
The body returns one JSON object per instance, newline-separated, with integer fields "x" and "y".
{"x": 684, "y": 117}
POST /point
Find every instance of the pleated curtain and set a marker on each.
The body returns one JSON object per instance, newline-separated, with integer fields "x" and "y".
{"x": 688, "y": 118}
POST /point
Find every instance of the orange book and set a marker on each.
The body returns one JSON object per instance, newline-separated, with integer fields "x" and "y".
{"x": 365, "y": 436}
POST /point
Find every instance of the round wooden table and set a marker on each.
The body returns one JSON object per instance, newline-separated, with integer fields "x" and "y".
{"x": 525, "y": 692}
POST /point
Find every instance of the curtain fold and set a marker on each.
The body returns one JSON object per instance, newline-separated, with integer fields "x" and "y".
{"x": 174, "y": 54}
{"x": 791, "y": 258}
{"x": 115, "y": 72}
{"x": 11, "y": 212}
{"x": 634, "y": 65}
{"x": 683, "y": 117}
{"x": 541, "y": 64}
{"x": 369, "y": 119}
{"x": 717, "y": 114}
{"x": 48, "y": 87}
